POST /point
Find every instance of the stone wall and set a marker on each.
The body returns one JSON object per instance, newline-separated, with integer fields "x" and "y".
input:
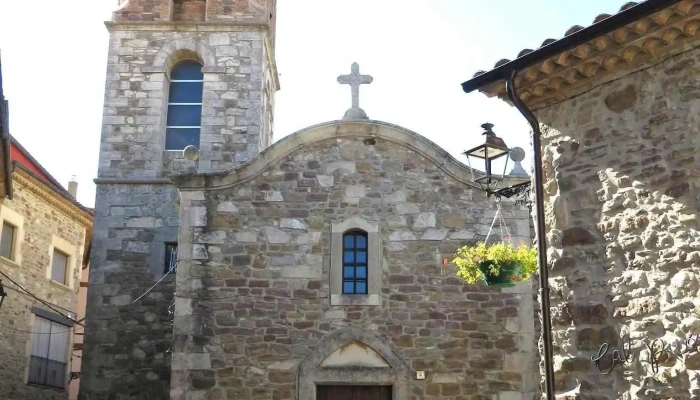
{"x": 240, "y": 83}
{"x": 42, "y": 221}
{"x": 253, "y": 284}
{"x": 194, "y": 10}
{"x": 136, "y": 206}
{"x": 189, "y": 10}
{"x": 621, "y": 186}
{"x": 144, "y": 11}
{"x": 127, "y": 341}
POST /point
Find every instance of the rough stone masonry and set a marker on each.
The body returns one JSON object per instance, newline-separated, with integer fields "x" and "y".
{"x": 254, "y": 304}
{"x": 43, "y": 220}
{"x": 621, "y": 166}
{"x": 126, "y": 343}
{"x": 254, "y": 292}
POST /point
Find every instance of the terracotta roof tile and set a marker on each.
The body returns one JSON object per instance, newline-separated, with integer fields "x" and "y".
{"x": 573, "y": 29}
{"x": 601, "y": 17}
{"x": 635, "y": 43}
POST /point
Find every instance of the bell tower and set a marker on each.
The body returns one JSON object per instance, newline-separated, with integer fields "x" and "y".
{"x": 233, "y": 42}
{"x": 179, "y": 73}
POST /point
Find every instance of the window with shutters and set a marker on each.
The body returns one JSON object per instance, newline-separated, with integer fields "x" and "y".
{"x": 7, "y": 241}
{"x": 11, "y": 236}
{"x": 48, "y": 364}
{"x": 59, "y": 267}
{"x": 184, "y": 114}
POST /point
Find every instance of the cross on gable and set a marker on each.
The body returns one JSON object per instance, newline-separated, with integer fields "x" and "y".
{"x": 355, "y": 79}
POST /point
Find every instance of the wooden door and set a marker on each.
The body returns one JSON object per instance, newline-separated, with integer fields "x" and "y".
{"x": 346, "y": 392}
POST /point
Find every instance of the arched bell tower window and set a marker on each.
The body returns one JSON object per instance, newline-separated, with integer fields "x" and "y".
{"x": 184, "y": 105}
{"x": 355, "y": 262}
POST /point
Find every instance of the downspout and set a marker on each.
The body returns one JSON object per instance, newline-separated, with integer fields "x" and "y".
{"x": 541, "y": 243}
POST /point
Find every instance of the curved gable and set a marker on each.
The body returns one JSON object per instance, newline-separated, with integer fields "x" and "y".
{"x": 332, "y": 130}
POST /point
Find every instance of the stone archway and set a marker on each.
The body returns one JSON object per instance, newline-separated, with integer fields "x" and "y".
{"x": 352, "y": 356}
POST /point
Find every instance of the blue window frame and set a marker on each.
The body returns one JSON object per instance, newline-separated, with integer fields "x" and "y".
{"x": 184, "y": 118}
{"x": 355, "y": 262}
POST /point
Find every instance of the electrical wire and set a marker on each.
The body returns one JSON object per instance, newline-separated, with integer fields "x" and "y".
{"x": 47, "y": 304}
{"x": 156, "y": 284}
{"x": 65, "y": 316}
{"x": 27, "y": 295}
{"x": 38, "y": 333}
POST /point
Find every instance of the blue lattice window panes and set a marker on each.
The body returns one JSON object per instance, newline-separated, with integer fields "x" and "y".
{"x": 355, "y": 262}
{"x": 184, "y": 118}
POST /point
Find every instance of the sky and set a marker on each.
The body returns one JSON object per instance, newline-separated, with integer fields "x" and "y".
{"x": 54, "y": 56}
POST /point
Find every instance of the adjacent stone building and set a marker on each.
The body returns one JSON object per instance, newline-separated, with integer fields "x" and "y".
{"x": 619, "y": 119}
{"x": 79, "y": 334}
{"x": 241, "y": 272}
{"x": 44, "y": 234}
{"x": 43, "y": 238}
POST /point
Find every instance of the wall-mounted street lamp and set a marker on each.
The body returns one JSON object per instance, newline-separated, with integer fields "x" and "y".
{"x": 492, "y": 149}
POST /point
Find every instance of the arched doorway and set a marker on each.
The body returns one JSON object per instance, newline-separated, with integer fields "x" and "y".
{"x": 353, "y": 364}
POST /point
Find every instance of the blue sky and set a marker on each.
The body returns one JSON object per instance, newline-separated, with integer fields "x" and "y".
{"x": 418, "y": 51}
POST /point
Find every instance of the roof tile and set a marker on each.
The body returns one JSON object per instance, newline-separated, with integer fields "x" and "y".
{"x": 642, "y": 39}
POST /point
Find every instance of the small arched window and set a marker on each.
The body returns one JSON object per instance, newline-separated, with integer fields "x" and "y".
{"x": 184, "y": 105}
{"x": 355, "y": 262}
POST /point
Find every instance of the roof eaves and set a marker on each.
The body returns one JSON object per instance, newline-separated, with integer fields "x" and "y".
{"x": 38, "y": 165}
{"x": 5, "y": 138}
{"x": 575, "y": 36}
{"x": 59, "y": 190}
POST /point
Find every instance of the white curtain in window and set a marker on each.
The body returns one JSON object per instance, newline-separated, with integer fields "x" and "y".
{"x": 58, "y": 351}
{"x": 41, "y": 338}
{"x": 48, "y": 365}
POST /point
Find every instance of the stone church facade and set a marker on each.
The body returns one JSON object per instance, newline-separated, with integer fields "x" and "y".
{"x": 260, "y": 305}
{"x": 318, "y": 262}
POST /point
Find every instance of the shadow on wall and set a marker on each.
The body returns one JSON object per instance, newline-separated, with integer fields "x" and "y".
{"x": 621, "y": 183}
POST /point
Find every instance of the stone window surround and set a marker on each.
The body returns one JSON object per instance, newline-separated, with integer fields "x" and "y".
{"x": 68, "y": 249}
{"x": 169, "y": 55}
{"x": 16, "y": 220}
{"x": 310, "y": 373}
{"x": 374, "y": 266}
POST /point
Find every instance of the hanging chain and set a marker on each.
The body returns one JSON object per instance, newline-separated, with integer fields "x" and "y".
{"x": 495, "y": 218}
{"x": 502, "y": 224}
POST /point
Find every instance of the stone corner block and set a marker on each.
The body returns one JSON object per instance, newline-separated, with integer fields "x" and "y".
{"x": 191, "y": 361}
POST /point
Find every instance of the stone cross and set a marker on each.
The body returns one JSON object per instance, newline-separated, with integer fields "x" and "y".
{"x": 355, "y": 80}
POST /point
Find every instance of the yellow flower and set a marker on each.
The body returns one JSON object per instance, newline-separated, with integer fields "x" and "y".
{"x": 468, "y": 260}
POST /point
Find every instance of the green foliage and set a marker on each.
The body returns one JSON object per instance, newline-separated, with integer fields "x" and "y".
{"x": 468, "y": 260}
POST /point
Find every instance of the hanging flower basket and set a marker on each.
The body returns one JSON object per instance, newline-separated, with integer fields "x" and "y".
{"x": 503, "y": 275}
{"x": 498, "y": 265}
